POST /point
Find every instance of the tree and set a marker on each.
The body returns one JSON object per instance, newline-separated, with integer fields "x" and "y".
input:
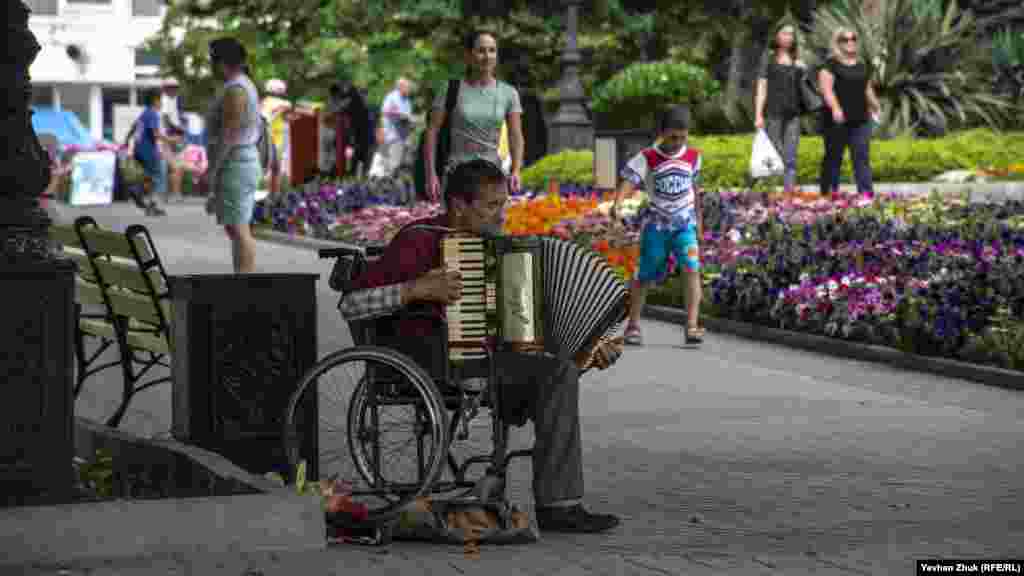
{"x": 293, "y": 41}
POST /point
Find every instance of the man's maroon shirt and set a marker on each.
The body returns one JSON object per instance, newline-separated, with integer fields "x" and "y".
{"x": 410, "y": 255}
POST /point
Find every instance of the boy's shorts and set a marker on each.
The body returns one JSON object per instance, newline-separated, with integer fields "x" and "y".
{"x": 656, "y": 245}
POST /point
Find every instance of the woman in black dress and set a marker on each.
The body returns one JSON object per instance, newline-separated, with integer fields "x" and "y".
{"x": 850, "y": 103}
{"x": 777, "y": 99}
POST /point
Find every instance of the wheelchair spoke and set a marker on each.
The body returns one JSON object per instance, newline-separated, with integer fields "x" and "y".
{"x": 381, "y": 428}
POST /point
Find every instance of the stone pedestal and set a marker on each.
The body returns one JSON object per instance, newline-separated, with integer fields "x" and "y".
{"x": 37, "y": 363}
{"x": 241, "y": 345}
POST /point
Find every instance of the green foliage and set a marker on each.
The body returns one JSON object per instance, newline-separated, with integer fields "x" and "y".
{"x": 1002, "y": 343}
{"x": 1008, "y": 58}
{"x": 1008, "y": 48}
{"x": 96, "y": 475}
{"x": 653, "y": 85}
{"x": 568, "y": 166}
{"x": 930, "y": 70}
{"x": 727, "y": 159}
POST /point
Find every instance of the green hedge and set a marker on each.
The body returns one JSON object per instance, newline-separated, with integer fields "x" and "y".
{"x": 727, "y": 159}
{"x": 568, "y": 167}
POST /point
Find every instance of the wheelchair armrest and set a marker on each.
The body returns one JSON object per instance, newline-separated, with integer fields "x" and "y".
{"x": 340, "y": 251}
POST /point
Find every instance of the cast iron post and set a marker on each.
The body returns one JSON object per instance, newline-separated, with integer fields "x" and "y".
{"x": 571, "y": 126}
{"x": 24, "y": 165}
{"x": 38, "y": 297}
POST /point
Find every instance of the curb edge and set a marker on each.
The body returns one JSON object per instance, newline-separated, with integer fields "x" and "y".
{"x": 988, "y": 375}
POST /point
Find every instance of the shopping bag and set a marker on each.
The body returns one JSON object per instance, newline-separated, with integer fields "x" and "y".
{"x": 764, "y": 158}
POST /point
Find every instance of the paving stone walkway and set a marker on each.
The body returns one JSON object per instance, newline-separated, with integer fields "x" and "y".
{"x": 738, "y": 458}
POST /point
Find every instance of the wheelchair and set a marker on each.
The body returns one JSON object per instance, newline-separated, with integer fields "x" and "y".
{"x": 393, "y": 375}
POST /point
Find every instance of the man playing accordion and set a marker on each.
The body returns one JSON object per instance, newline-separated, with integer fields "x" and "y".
{"x": 410, "y": 271}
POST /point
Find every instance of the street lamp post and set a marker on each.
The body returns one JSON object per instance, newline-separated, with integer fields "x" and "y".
{"x": 24, "y": 167}
{"x": 37, "y": 294}
{"x": 571, "y": 127}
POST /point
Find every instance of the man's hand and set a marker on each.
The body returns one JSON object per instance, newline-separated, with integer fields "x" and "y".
{"x": 439, "y": 285}
{"x": 607, "y": 353}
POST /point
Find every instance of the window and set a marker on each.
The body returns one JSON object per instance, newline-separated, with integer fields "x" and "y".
{"x": 146, "y": 8}
{"x": 113, "y": 97}
{"x": 144, "y": 57}
{"x": 42, "y": 7}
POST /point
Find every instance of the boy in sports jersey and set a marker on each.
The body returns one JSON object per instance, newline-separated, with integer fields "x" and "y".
{"x": 671, "y": 223}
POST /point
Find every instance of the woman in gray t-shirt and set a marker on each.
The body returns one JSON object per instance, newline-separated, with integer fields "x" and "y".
{"x": 483, "y": 105}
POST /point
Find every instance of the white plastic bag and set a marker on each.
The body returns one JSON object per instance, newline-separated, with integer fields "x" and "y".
{"x": 764, "y": 158}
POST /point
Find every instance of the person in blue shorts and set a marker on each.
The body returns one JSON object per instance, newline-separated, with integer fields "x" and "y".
{"x": 150, "y": 139}
{"x": 671, "y": 222}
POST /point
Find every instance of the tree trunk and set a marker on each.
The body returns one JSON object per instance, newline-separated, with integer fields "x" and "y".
{"x": 734, "y": 81}
{"x": 24, "y": 164}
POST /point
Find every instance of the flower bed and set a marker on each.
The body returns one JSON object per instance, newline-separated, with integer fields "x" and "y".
{"x": 931, "y": 276}
{"x": 356, "y": 212}
{"x": 928, "y": 275}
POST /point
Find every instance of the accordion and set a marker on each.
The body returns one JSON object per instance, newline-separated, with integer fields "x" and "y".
{"x": 531, "y": 294}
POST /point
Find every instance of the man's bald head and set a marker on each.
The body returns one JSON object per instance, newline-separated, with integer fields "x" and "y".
{"x": 403, "y": 86}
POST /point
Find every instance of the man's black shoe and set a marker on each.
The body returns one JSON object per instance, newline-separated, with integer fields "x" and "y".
{"x": 574, "y": 520}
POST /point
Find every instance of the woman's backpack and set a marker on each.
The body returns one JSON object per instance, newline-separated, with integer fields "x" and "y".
{"x": 444, "y": 143}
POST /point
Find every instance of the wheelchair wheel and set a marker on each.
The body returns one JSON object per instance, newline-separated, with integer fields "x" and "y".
{"x": 393, "y": 421}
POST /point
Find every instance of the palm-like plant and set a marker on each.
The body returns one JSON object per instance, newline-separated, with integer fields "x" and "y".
{"x": 1008, "y": 56}
{"x": 930, "y": 70}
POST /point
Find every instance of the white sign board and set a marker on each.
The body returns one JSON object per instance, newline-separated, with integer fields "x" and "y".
{"x": 92, "y": 178}
{"x": 604, "y": 163}
{"x": 124, "y": 116}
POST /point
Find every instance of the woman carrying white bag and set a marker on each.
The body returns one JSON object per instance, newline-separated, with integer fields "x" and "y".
{"x": 765, "y": 160}
{"x": 784, "y": 92}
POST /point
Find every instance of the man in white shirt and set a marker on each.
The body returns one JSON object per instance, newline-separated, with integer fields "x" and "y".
{"x": 396, "y": 124}
{"x": 173, "y": 126}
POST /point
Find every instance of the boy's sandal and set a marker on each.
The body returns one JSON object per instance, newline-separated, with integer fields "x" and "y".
{"x": 694, "y": 335}
{"x": 633, "y": 337}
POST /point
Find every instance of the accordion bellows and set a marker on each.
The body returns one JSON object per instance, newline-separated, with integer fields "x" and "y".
{"x": 532, "y": 294}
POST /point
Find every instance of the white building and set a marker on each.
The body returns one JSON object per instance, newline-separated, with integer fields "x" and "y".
{"x": 112, "y": 68}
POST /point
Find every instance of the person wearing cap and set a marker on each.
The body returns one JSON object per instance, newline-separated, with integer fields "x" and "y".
{"x": 173, "y": 126}
{"x": 234, "y": 127}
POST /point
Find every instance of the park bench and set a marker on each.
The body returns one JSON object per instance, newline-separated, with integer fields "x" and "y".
{"x": 133, "y": 286}
{"x": 93, "y": 321}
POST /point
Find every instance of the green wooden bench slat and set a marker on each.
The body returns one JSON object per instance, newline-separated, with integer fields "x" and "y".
{"x": 88, "y": 292}
{"x": 133, "y": 305}
{"x": 64, "y": 234}
{"x": 150, "y": 341}
{"x": 136, "y": 339}
{"x": 97, "y": 327}
{"x": 79, "y": 256}
{"x": 108, "y": 242}
{"x": 127, "y": 274}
